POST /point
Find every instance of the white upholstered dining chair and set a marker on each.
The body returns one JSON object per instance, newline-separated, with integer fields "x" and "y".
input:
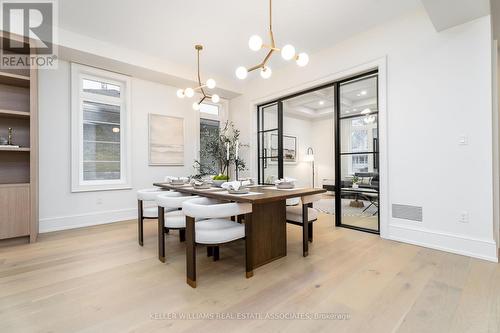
{"x": 171, "y": 217}
{"x": 147, "y": 209}
{"x": 303, "y": 214}
{"x": 216, "y": 229}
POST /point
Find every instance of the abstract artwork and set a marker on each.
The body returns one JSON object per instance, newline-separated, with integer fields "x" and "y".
{"x": 289, "y": 148}
{"x": 166, "y": 140}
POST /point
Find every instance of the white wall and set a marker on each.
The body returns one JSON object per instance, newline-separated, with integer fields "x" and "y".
{"x": 61, "y": 209}
{"x": 438, "y": 89}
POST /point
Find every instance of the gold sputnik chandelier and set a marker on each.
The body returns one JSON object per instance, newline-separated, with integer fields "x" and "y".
{"x": 287, "y": 52}
{"x": 210, "y": 84}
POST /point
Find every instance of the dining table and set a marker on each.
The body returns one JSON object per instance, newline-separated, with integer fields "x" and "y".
{"x": 266, "y": 227}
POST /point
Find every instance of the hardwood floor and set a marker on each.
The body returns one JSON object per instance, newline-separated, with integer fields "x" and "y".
{"x": 99, "y": 280}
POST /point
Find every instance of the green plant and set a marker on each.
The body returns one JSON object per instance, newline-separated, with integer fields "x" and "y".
{"x": 355, "y": 179}
{"x": 215, "y": 150}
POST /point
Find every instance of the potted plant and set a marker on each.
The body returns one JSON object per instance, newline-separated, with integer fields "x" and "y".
{"x": 220, "y": 150}
{"x": 355, "y": 181}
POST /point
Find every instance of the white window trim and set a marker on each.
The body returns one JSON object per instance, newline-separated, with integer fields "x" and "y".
{"x": 77, "y": 95}
{"x": 221, "y": 118}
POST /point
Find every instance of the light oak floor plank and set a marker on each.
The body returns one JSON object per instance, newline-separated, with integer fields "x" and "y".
{"x": 98, "y": 279}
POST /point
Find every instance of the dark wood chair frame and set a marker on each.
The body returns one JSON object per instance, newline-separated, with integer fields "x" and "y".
{"x": 213, "y": 249}
{"x": 140, "y": 222}
{"x": 307, "y": 228}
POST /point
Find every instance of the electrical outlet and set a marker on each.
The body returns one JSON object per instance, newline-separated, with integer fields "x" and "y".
{"x": 464, "y": 217}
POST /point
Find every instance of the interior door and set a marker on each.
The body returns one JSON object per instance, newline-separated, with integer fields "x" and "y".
{"x": 270, "y": 142}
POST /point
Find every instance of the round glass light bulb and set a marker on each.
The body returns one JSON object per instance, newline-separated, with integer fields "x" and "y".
{"x": 241, "y": 73}
{"x": 210, "y": 83}
{"x": 180, "y": 93}
{"x": 189, "y": 92}
{"x": 215, "y": 98}
{"x": 255, "y": 43}
{"x": 196, "y": 106}
{"x": 302, "y": 59}
{"x": 266, "y": 72}
{"x": 288, "y": 52}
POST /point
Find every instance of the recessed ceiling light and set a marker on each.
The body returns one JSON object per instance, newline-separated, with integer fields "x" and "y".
{"x": 364, "y": 92}
{"x": 366, "y": 111}
{"x": 321, "y": 102}
{"x": 354, "y": 109}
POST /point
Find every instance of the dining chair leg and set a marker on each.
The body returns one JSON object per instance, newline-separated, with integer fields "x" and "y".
{"x": 190, "y": 252}
{"x": 140, "y": 219}
{"x": 310, "y": 231}
{"x": 210, "y": 251}
{"x": 248, "y": 246}
{"x": 240, "y": 219}
{"x": 161, "y": 234}
{"x": 182, "y": 235}
{"x": 305, "y": 230}
{"x": 216, "y": 253}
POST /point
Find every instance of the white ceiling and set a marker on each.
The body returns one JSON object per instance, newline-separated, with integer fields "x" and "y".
{"x": 168, "y": 29}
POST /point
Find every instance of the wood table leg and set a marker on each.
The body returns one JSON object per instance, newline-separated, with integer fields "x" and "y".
{"x": 305, "y": 230}
{"x": 248, "y": 246}
{"x": 140, "y": 219}
{"x": 161, "y": 234}
{"x": 182, "y": 235}
{"x": 190, "y": 252}
{"x": 268, "y": 232}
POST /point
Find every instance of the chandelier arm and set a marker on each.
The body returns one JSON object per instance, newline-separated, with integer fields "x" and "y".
{"x": 271, "y": 16}
{"x": 263, "y": 63}
{"x": 200, "y": 86}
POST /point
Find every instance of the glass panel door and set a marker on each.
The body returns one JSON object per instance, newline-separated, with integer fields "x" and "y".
{"x": 270, "y": 142}
{"x": 357, "y": 156}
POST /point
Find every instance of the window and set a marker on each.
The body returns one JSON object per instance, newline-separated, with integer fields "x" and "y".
{"x": 209, "y": 131}
{"x": 209, "y": 109}
{"x": 100, "y": 130}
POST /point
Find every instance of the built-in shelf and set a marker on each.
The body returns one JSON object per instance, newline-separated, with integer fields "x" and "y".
{"x": 14, "y": 79}
{"x": 14, "y": 184}
{"x": 14, "y": 114}
{"x": 15, "y": 149}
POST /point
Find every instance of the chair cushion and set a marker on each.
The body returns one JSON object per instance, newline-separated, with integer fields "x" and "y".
{"x": 218, "y": 231}
{"x": 150, "y": 212}
{"x": 149, "y": 194}
{"x": 175, "y": 219}
{"x": 153, "y": 211}
{"x": 294, "y": 213}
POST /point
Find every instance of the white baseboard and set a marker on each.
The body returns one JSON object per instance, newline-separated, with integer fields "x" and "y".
{"x": 85, "y": 220}
{"x": 476, "y": 248}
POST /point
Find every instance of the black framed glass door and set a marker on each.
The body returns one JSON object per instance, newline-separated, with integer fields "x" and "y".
{"x": 270, "y": 142}
{"x": 357, "y": 158}
{"x": 349, "y": 171}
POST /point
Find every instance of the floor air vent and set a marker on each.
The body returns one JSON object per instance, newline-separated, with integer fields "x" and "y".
{"x": 405, "y": 212}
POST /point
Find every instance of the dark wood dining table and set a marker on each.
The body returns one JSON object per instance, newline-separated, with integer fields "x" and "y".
{"x": 267, "y": 238}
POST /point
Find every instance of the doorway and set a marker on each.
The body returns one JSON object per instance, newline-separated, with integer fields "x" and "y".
{"x": 327, "y": 137}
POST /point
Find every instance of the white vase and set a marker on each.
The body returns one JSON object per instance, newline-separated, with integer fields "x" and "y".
{"x": 355, "y": 186}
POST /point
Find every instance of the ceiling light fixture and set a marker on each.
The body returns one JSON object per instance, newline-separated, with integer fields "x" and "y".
{"x": 287, "y": 53}
{"x": 321, "y": 102}
{"x": 210, "y": 84}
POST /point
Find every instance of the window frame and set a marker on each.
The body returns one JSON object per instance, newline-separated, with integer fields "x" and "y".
{"x": 221, "y": 118}
{"x": 78, "y": 96}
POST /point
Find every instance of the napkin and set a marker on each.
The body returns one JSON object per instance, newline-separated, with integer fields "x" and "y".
{"x": 169, "y": 179}
{"x": 235, "y": 185}
{"x": 285, "y": 180}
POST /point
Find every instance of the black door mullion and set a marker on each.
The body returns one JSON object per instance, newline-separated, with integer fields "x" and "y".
{"x": 280, "y": 140}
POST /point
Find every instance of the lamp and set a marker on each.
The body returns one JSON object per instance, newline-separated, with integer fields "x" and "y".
{"x": 310, "y": 158}
{"x": 210, "y": 84}
{"x": 256, "y": 43}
